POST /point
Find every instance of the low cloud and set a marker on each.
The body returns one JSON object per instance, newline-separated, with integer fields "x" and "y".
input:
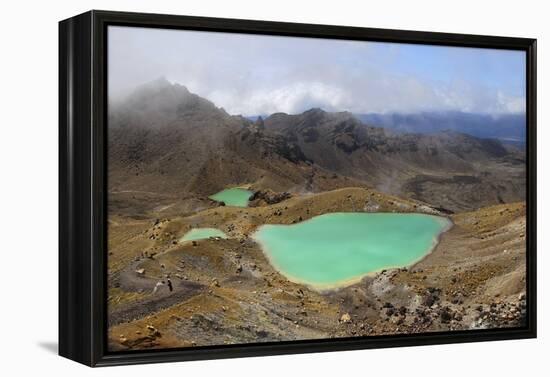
{"x": 251, "y": 75}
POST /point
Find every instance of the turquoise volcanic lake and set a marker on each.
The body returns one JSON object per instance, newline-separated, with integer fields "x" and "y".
{"x": 202, "y": 233}
{"x": 235, "y": 197}
{"x": 338, "y": 249}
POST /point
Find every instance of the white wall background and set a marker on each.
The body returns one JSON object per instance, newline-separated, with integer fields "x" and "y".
{"x": 28, "y": 158}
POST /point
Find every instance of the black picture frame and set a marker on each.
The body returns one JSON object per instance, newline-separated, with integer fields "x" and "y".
{"x": 82, "y": 180}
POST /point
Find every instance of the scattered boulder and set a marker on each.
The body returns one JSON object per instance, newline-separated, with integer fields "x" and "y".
{"x": 153, "y": 331}
{"x": 445, "y": 315}
{"x": 268, "y": 197}
{"x": 431, "y": 297}
{"x": 345, "y": 318}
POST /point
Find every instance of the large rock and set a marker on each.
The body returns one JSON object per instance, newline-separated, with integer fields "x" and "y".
{"x": 345, "y": 318}
{"x": 268, "y": 197}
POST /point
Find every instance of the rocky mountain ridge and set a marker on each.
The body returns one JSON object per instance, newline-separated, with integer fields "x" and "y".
{"x": 164, "y": 138}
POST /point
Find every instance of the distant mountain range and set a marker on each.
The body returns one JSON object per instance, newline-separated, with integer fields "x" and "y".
{"x": 508, "y": 128}
{"x": 164, "y": 138}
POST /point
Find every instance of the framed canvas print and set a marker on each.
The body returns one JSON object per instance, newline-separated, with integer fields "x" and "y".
{"x": 239, "y": 188}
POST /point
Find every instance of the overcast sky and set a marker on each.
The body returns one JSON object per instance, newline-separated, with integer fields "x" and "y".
{"x": 257, "y": 75}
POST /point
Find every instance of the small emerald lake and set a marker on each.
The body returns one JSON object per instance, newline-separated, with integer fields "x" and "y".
{"x": 338, "y": 249}
{"x": 202, "y": 233}
{"x": 234, "y": 197}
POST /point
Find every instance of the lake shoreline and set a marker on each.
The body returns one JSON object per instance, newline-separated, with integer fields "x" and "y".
{"x": 330, "y": 287}
{"x": 455, "y": 276}
{"x": 234, "y": 196}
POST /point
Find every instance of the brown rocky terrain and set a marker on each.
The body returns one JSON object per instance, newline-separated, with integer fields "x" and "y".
{"x": 225, "y": 290}
{"x": 195, "y": 149}
{"x": 170, "y": 149}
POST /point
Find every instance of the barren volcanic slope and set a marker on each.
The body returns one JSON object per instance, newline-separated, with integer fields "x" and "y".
{"x": 169, "y": 150}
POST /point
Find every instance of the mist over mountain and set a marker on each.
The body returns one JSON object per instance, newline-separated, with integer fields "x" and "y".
{"x": 164, "y": 138}
{"x": 379, "y": 136}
